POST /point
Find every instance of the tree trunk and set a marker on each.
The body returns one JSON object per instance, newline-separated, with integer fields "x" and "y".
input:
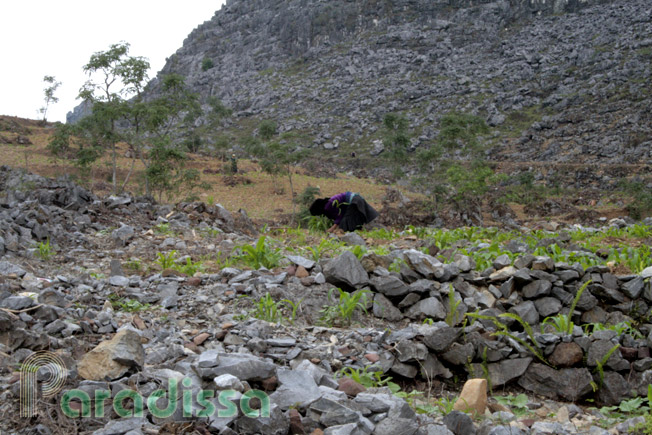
{"x": 131, "y": 170}
{"x": 294, "y": 206}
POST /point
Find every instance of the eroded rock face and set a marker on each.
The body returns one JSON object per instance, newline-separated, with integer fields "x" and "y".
{"x": 277, "y": 71}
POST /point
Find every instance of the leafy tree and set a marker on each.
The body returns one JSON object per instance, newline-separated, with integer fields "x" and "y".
{"x": 49, "y": 95}
{"x": 114, "y": 76}
{"x": 460, "y": 131}
{"x": 75, "y": 142}
{"x": 153, "y": 125}
{"x": 276, "y": 159}
{"x": 166, "y": 172}
{"x": 267, "y": 129}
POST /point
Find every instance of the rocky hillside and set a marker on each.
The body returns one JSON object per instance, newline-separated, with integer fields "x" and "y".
{"x": 119, "y": 297}
{"x": 563, "y": 81}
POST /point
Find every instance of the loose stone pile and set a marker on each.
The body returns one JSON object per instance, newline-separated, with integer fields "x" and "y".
{"x": 195, "y": 340}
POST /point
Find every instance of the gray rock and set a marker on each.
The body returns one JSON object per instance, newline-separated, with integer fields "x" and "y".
{"x": 459, "y": 423}
{"x": 301, "y": 261}
{"x": 633, "y": 288}
{"x": 122, "y": 235}
{"x": 439, "y": 337}
{"x": 122, "y": 426}
{"x": 296, "y": 387}
{"x": 389, "y": 285}
{"x": 17, "y": 302}
{"x": 504, "y": 371}
{"x": 537, "y": 289}
{"x": 547, "y": 427}
{"x": 614, "y": 389}
{"x": 567, "y": 276}
{"x": 426, "y": 265}
{"x": 244, "y": 367}
{"x": 275, "y": 424}
{"x": 424, "y": 286}
{"x": 547, "y": 306}
{"x": 384, "y": 309}
{"x": 503, "y": 274}
{"x": 646, "y": 273}
{"x": 116, "y": 268}
{"x": 228, "y": 382}
{"x": 346, "y": 271}
{"x": 432, "y": 368}
{"x": 401, "y": 418}
{"x": 568, "y": 384}
{"x": 7, "y": 268}
{"x": 526, "y": 311}
{"x": 543, "y": 263}
{"x": 459, "y": 354}
{"x": 599, "y": 350}
{"x": 353, "y": 239}
{"x": 332, "y": 413}
{"x": 405, "y": 370}
{"x": 409, "y": 351}
{"x": 435, "y": 429}
{"x": 429, "y": 307}
{"x": 501, "y": 262}
{"x": 119, "y": 281}
{"x": 409, "y": 300}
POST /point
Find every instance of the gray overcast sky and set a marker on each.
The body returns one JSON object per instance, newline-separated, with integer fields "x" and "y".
{"x": 57, "y": 38}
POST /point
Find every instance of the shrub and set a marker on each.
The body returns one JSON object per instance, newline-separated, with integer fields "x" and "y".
{"x": 207, "y": 63}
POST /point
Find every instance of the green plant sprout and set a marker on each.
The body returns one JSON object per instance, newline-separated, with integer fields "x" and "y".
{"x": 44, "y": 250}
{"x": 260, "y": 254}
{"x": 562, "y": 323}
{"x": 270, "y": 311}
{"x": 166, "y": 261}
{"x": 342, "y": 311}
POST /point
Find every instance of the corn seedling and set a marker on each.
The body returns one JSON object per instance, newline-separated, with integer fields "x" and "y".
{"x": 190, "y": 267}
{"x": 260, "y": 254}
{"x": 134, "y": 264}
{"x": 369, "y": 379}
{"x": 451, "y": 315}
{"x": 600, "y": 364}
{"x": 166, "y": 261}
{"x": 45, "y": 250}
{"x": 503, "y": 330}
{"x": 270, "y": 311}
{"x": 342, "y": 311}
{"x": 562, "y": 323}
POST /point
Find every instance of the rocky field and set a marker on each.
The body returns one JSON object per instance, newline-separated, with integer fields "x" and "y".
{"x": 124, "y": 302}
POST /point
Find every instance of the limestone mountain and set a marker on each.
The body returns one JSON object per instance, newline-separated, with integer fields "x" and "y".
{"x": 557, "y": 81}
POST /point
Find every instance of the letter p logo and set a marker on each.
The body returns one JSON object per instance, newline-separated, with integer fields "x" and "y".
{"x": 54, "y": 369}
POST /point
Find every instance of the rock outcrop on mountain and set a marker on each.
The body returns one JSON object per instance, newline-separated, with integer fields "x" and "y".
{"x": 559, "y": 81}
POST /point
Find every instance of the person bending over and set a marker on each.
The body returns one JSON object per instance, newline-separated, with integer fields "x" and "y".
{"x": 348, "y": 210}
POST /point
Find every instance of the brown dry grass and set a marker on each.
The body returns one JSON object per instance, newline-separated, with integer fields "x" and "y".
{"x": 265, "y": 198}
